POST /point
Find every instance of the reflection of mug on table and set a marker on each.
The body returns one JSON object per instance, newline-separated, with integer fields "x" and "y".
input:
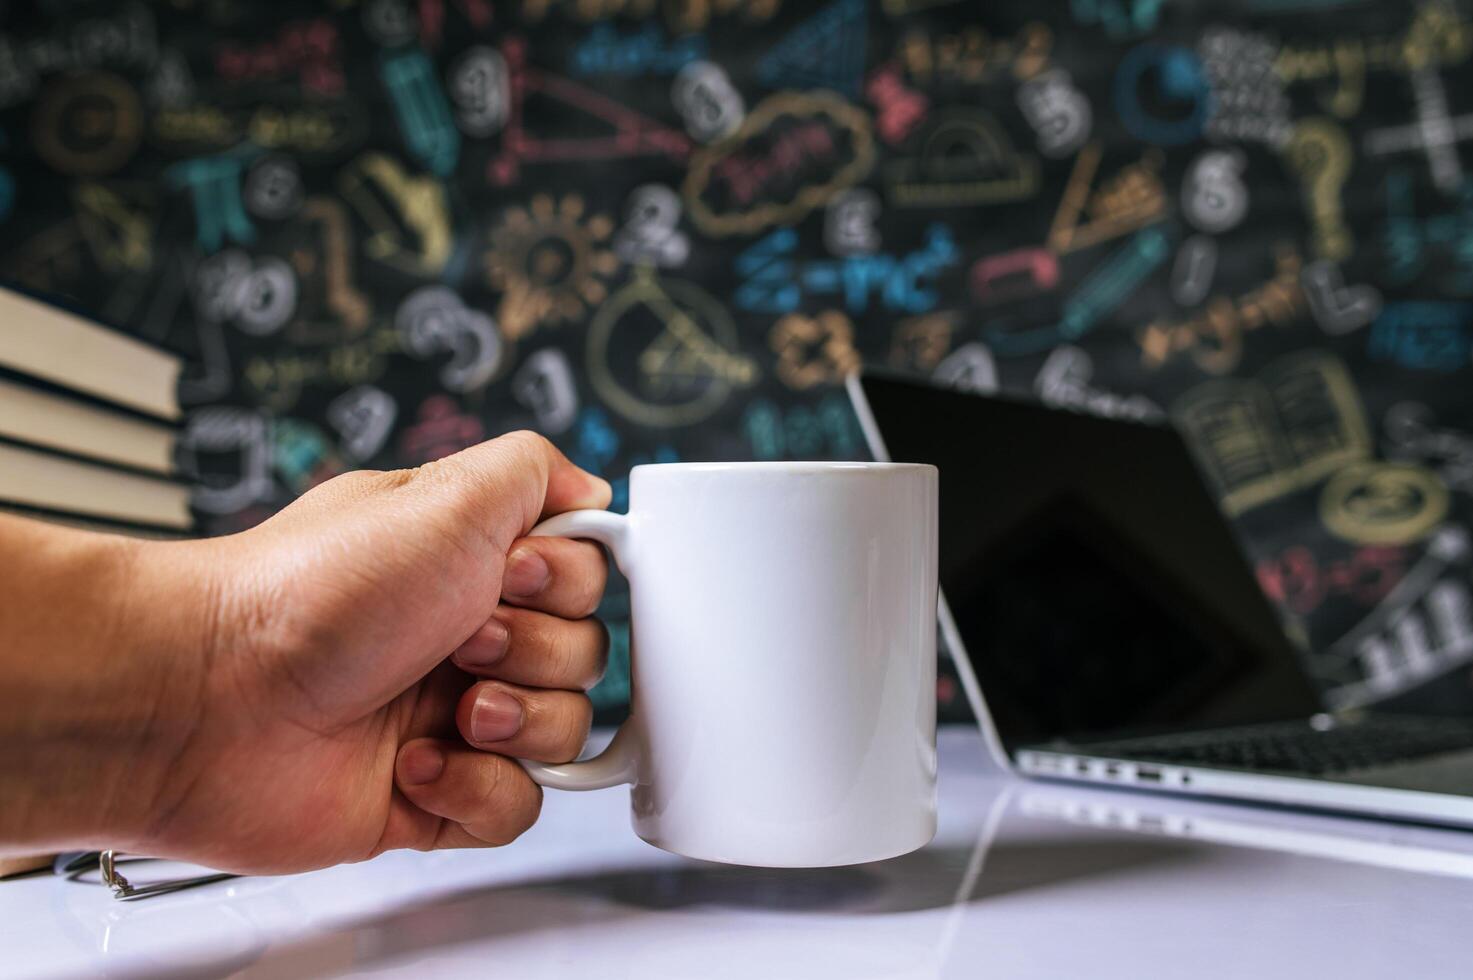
{"x": 784, "y": 658}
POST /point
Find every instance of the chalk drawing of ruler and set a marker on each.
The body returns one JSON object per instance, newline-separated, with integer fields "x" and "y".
{"x": 1392, "y": 643}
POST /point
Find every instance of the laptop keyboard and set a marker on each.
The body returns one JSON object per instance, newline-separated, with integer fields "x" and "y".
{"x": 1296, "y": 747}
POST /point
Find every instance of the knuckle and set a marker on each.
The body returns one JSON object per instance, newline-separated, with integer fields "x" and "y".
{"x": 515, "y": 809}
{"x": 600, "y": 665}
{"x": 577, "y": 719}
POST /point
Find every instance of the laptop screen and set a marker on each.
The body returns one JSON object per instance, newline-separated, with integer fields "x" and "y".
{"x": 1097, "y": 589}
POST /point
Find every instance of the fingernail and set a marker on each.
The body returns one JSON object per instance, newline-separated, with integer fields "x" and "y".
{"x": 421, "y": 764}
{"x": 486, "y": 647}
{"x": 496, "y": 715}
{"x": 526, "y": 573}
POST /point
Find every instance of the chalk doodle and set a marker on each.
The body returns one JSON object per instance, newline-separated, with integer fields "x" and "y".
{"x": 88, "y": 125}
{"x": 1214, "y": 336}
{"x": 813, "y": 350}
{"x": 623, "y": 132}
{"x": 898, "y": 109}
{"x": 307, "y": 51}
{"x": 1300, "y": 580}
{"x": 1383, "y": 503}
{"x": 1119, "y": 18}
{"x": 277, "y": 382}
{"x": 645, "y": 52}
{"x": 407, "y": 215}
{"x": 1099, "y": 294}
{"x": 363, "y": 417}
{"x": 550, "y": 261}
{"x": 651, "y": 232}
{"x": 1294, "y": 424}
{"x": 273, "y": 188}
{"x": 788, "y": 158}
{"x": 434, "y": 320}
{"x": 214, "y": 185}
{"x": 849, "y": 222}
{"x": 1064, "y": 382}
{"x": 1162, "y": 94}
{"x": 665, "y": 353}
{"x": 827, "y": 429}
{"x": 825, "y": 51}
{"x": 772, "y": 282}
{"x": 1421, "y": 629}
{"x": 440, "y": 428}
{"x": 1441, "y": 244}
{"x": 973, "y": 56}
{"x": 1435, "y": 133}
{"x": 1213, "y": 196}
{"x": 1412, "y": 435}
{"x": 1133, "y": 198}
{"x": 1193, "y": 270}
{"x": 117, "y": 220}
{"x": 968, "y": 368}
{"x": 709, "y": 104}
{"x": 422, "y": 110}
{"x": 125, "y": 38}
{"x": 544, "y": 383}
{"x": 1058, "y": 112}
{"x": 658, "y": 230}
{"x": 1423, "y": 336}
{"x": 1320, "y": 153}
{"x": 330, "y": 305}
{"x": 479, "y": 85}
{"x": 226, "y": 452}
{"x": 1248, "y": 97}
{"x": 964, "y": 158}
{"x": 1014, "y": 275}
{"x": 302, "y": 455}
{"x": 1338, "y": 308}
{"x": 317, "y": 128}
{"x": 258, "y": 296}
{"x": 920, "y": 342}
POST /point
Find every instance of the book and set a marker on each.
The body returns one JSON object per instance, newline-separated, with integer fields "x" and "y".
{"x": 20, "y": 864}
{"x": 100, "y": 525}
{"x": 52, "y": 420}
{"x": 1259, "y": 438}
{"x": 35, "y": 478}
{"x": 56, "y": 345}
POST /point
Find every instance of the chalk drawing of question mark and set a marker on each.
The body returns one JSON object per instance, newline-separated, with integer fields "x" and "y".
{"x": 1320, "y": 153}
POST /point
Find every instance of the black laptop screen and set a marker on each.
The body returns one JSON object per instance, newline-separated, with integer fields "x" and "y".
{"x": 1095, "y": 585}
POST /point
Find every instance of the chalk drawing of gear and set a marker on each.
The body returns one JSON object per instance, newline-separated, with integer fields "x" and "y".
{"x": 550, "y": 263}
{"x": 665, "y": 354}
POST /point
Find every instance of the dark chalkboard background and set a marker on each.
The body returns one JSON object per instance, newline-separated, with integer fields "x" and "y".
{"x": 663, "y": 230}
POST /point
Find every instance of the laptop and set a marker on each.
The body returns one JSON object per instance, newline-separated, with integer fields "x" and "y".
{"x": 1107, "y": 628}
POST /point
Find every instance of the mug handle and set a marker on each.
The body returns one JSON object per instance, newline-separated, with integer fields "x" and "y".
{"x": 614, "y": 766}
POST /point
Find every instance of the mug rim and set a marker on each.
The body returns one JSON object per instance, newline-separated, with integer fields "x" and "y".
{"x": 787, "y": 466}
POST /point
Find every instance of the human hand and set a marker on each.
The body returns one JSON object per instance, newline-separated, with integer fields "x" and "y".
{"x": 370, "y": 659}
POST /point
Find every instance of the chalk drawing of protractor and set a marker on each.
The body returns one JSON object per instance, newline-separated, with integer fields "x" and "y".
{"x": 1391, "y": 646}
{"x": 688, "y": 367}
{"x": 966, "y": 158}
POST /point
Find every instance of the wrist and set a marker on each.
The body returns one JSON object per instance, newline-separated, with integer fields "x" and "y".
{"x": 103, "y": 683}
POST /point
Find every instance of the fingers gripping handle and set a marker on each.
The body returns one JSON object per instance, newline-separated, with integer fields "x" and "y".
{"x": 613, "y": 766}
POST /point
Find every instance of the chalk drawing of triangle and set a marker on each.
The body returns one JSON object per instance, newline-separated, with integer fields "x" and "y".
{"x": 825, "y": 51}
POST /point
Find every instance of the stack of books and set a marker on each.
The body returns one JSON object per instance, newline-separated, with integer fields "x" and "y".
{"x": 88, "y": 423}
{"x": 88, "y": 426}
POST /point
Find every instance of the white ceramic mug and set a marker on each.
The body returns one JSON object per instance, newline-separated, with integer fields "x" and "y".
{"x": 783, "y": 652}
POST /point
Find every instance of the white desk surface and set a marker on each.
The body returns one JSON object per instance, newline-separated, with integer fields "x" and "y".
{"x": 1023, "y": 880}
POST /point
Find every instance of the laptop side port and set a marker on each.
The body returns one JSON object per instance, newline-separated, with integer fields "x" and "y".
{"x": 1147, "y": 774}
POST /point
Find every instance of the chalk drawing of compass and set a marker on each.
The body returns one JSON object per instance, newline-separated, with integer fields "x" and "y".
{"x": 665, "y": 353}
{"x": 549, "y": 261}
